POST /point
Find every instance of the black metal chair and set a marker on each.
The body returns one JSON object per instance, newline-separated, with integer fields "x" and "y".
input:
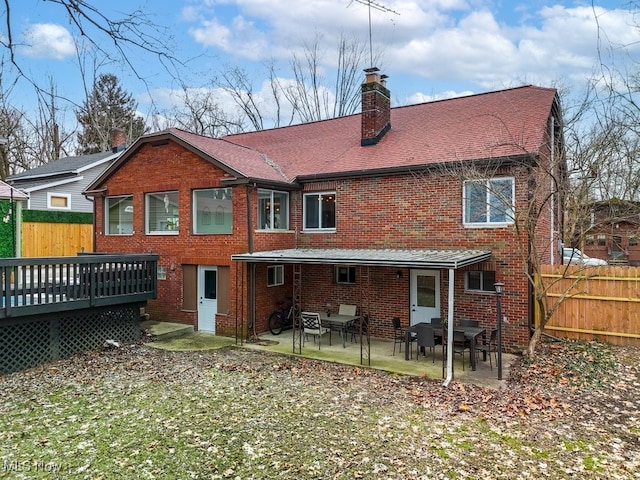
{"x": 425, "y": 338}
{"x": 460, "y": 345}
{"x": 354, "y": 329}
{"x": 469, "y": 323}
{"x": 399, "y": 334}
{"x": 490, "y": 347}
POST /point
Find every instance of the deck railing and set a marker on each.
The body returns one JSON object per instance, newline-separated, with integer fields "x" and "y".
{"x": 32, "y": 286}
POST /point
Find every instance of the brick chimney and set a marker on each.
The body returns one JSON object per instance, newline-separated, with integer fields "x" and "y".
{"x": 118, "y": 140}
{"x": 376, "y": 107}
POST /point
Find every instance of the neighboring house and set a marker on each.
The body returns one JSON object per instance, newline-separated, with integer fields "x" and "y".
{"x": 57, "y": 187}
{"x": 612, "y": 232}
{"x": 393, "y": 210}
{"x": 11, "y": 204}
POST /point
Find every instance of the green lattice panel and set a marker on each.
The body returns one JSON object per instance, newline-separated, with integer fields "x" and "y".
{"x": 23, "y": 346}
{"x": 90, "y": 329}
{"x": 32, "y": 341}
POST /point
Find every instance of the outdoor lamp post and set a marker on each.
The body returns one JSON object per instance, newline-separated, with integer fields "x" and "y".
{"x": 499, "y": 286}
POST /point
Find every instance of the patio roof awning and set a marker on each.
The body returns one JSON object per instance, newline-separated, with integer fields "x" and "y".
{"x": 373, "y": 257}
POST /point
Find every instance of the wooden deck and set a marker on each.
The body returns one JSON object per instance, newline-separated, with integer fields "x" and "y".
{"x": 33, "y": 286}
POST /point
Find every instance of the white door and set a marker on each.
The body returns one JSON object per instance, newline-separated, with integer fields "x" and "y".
{"x": 425, "y": 295}
{"x": 207, "y": 298}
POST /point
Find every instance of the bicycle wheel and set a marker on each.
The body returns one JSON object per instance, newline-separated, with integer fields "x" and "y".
{"x": 275, "y": 323}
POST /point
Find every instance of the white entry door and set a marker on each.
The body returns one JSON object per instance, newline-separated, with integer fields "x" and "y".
{"x": 425, "y": 295}
{"x": 207, "y": 298}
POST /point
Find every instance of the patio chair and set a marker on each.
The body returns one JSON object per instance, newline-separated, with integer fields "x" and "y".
{"x": 347, "y": 310}
{"x": 311, "y": 325}
{"x": 399, "y": 334}
{"x": 469, "y": 323}
{"x": 425, "y": 338}
{"x": 490, "y": 347}
{"x": 436, "y": 321}
{"x": 460, "y": 345}
{"x": 354, "y": 329}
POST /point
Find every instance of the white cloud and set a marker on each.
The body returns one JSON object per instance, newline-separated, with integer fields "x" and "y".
{"x": 471, "y": 44}
{"x": 239, "y": 38}
{"x": 47, "y": 40}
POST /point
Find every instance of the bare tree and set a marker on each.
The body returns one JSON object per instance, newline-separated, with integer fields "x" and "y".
{"x": 198, "y": 111}
{"x": 309, "y": 96}
{"x": 239, "y": 86}
{"x": 134, "y": 31}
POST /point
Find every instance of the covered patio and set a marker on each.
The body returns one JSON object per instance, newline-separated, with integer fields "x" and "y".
{"x": 365, "y": 260}
{"x": 382, "y": 358}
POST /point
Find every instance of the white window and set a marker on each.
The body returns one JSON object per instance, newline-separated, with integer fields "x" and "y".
{"x": 320, "y": 211}
{"x": 212, "y": 211}
{"x": 480, "y": 280}
{"x": 58, "y": 201}
{"x": 162, "y": 213}
{"x": 489, "y": 202}
{"x": 273, "y": 210}
{"x": 162, "y": 273}
{"x": 119, "y": 215}
{"x": 275, "y": 275}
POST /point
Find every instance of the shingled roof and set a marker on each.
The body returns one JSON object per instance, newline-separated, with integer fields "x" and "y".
{"x": 490, "y": 125}
{"x": 7, "y": 192}
{"x": 499, "y": 124}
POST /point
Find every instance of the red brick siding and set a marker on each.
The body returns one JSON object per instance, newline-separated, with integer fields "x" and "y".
{"x": 376, "y": 109}
{"x": 172, "y": 167}
{"x": 404, "y": 211}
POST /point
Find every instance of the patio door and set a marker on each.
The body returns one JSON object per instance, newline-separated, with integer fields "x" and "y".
{"x": 425, "y": 295}
{"x": 207, "y": 298}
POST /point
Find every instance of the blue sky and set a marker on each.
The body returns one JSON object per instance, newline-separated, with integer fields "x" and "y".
{"x": 431, "y": 48}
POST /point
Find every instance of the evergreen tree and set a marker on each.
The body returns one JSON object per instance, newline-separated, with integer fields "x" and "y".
{"x": 108, "y": 107}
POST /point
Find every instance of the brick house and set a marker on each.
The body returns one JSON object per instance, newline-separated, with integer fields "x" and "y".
{"x": 393, "y": 210}
{"x": 612, "y": 232}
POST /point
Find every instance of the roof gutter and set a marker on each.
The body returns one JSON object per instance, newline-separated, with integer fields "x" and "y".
{"x": 526, "y": 158}
{"x": 95, "y": 193}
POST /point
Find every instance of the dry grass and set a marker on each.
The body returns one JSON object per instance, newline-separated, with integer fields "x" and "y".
{"x": 138, "y": 412}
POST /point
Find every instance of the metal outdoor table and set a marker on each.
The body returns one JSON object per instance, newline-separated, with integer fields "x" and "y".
{"x": 342, "y": 322}
{"x": 470, "y": 333}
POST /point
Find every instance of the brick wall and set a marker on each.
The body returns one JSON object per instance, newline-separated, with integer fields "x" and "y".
{"x": 421, "y": 211}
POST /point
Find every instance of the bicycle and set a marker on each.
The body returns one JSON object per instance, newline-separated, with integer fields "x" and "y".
{"x": 282, "y": 318}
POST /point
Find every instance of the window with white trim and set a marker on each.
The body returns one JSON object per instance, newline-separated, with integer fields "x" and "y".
{"x": 480, "y": 280}
{"x": 489, "y": 202}
{"x": 118, "y": 215}
{"x": 162, "y": 213}
{"x": 162, "y": 273}
{"x": 275, "y": 275}
{"x": 58, "y": 201}
{"x": 273, "y": 210}
{"x": 319, "y": 211}
{"x": 212, "y": 211}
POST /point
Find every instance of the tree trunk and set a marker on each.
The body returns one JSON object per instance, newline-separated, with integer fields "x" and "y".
{"x": 535, "y": 338}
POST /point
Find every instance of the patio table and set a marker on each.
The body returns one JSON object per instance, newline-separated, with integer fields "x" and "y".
{"x": 342, "y": 322}
{"x": 470, "y": 333}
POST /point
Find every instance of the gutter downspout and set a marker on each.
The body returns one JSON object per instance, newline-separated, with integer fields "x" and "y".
{"x": 252, "y": 266}
{"x": 450, "y": 329}
{"x": 553, "y": 195}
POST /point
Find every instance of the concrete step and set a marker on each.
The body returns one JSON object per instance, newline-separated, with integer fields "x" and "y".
{"x": 165, "y": 330}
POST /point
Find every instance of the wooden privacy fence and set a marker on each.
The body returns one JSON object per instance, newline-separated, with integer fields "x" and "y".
{"x": 599, "y": 303}
{"x": 56, "y": 239}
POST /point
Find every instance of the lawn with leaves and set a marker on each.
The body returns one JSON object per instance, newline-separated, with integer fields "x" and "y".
{"x": 138, "y": 412}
